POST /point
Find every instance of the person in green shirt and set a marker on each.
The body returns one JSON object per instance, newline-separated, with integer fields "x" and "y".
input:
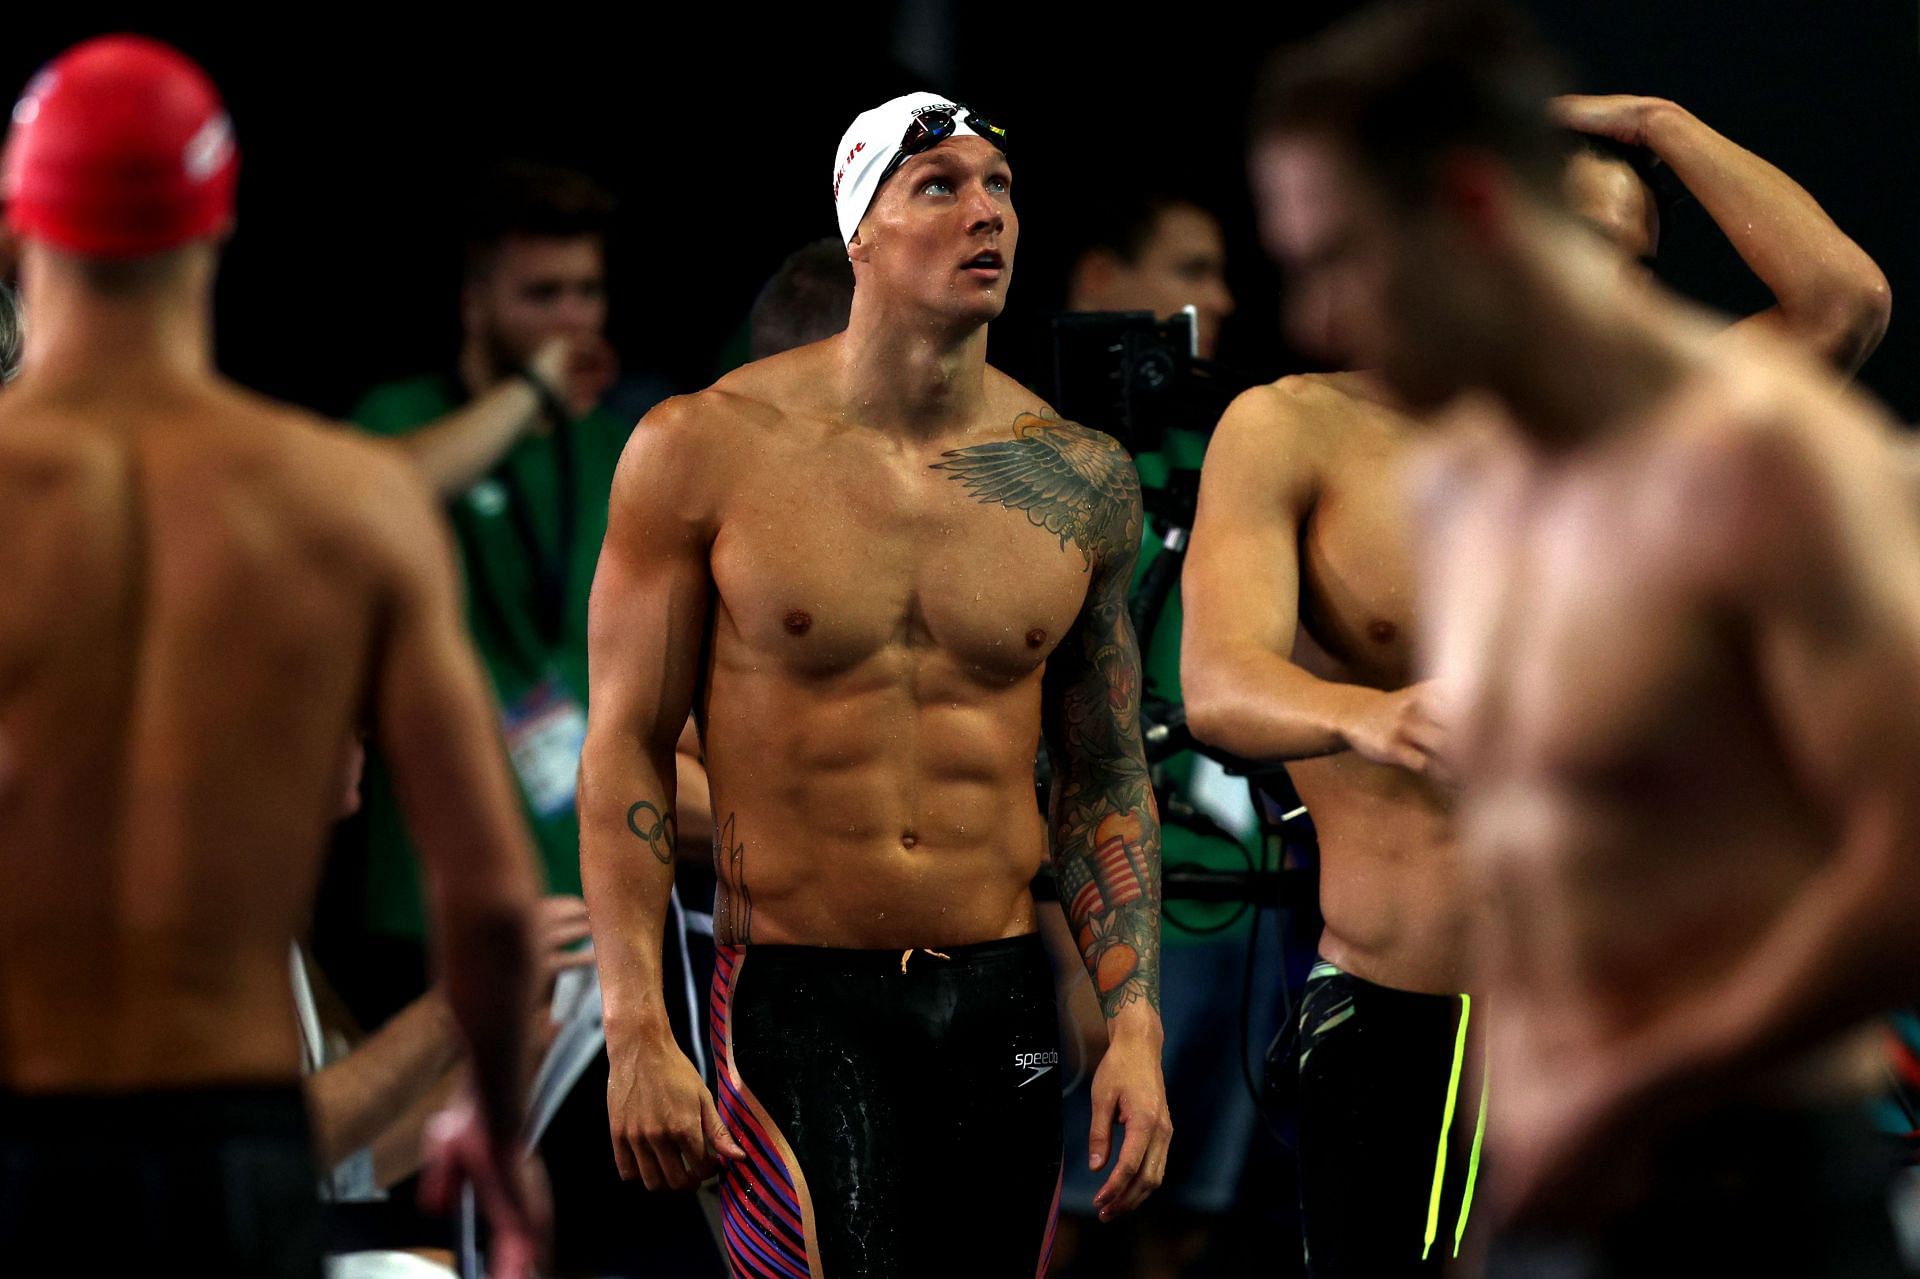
{"x": 518, "y": 441}
{"x": 515, "y": 442}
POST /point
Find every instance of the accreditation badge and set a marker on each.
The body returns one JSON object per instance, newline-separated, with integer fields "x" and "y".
{"x": 546, "y": 727}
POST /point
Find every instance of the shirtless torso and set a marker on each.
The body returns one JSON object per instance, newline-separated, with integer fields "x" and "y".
{"x": 1648, "y": 599}
{"x": 871, "y": 701}
{"x": 1305, "y": 486}
{"x": 1665, "y": 749}
{"x": 870, "y": 693}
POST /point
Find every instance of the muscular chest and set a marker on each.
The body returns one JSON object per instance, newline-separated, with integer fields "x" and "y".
{"x": 1576, "y": 649}
{"x": 1356, "y": 577}
{"x": 827, "y": 566}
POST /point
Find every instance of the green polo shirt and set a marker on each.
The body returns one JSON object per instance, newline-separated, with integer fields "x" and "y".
{"x": 1180, "y": 449}
{"x": 507, "y": 526}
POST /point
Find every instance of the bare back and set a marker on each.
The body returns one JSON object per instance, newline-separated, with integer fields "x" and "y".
{"x": 881, "y": 622}
{"x": 188, "y": 612}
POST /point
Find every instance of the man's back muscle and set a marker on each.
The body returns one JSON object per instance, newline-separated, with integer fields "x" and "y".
{"x": 191, "y": 593}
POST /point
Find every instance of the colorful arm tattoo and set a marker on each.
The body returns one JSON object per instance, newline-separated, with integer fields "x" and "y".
{"x": 1081, "y": 485}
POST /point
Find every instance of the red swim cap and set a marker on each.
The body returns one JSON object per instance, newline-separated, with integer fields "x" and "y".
{"x": 119, "y": 148}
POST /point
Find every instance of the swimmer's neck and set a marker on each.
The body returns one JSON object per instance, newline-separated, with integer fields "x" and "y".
{"x": 150, "y": 327}
{"x": 915, "y": 379}
{"x": 1590, "y": 352}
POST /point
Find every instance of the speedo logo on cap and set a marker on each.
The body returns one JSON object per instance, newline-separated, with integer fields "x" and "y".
{"x": 209, "y": 149}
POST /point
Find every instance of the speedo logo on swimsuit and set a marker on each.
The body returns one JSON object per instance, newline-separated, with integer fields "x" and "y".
{"x": 1038, "y": 1063}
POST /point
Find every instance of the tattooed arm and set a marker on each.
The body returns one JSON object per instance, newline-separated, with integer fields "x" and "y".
{"x": 647, "y": 620}
{"x": 1105, "y": 827}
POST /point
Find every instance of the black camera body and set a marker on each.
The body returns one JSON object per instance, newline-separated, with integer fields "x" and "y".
{"x": 1135, "y": 377}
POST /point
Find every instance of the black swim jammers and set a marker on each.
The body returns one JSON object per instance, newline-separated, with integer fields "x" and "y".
{"x": 900, "y": 1110}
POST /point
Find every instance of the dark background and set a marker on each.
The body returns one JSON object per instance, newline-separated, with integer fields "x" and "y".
{"x": 359, "y": 138}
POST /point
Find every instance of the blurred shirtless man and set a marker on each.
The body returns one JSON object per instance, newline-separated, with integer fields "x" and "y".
{"x": 1298, "y": 647}
{"x": 1667, "y": 588}
{"x": 201, "y": 595}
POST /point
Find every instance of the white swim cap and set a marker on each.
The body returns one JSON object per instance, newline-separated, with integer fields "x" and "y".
{"x": 875, "y": 140}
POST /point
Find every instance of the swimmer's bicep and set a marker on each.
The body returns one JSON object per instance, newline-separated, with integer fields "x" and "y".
{"x": 1838, "y": 662}
{"x": 646, "y": 618}
{"x": 1834, "y": 612}
{"x": 652, "y": 593}
{"x": 1241, "y": 580}
{"x": 1846, "y": 697}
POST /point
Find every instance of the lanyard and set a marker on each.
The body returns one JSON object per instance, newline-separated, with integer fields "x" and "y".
{"x": 552, "y": 569}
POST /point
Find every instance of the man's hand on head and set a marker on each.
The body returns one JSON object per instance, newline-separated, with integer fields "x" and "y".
{"x": 1620, "y": 116}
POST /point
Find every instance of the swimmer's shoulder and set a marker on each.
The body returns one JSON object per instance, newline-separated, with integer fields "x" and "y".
{"x": 1008, "y": 398}
{"x": 768, "y": 397}
{"x": 1760, "y": 381}
{"x": 683, "y": 459}
{"x": 1014, "y": 408}
{"x": 55, "y": 471}
{"x": 40, "y": 447}
{"x": 314, "y": 455}
{"x": 350, "y": 498}
{"x": 1010, "y": 403}
{"x": 1764, "y": 456}
{"x": 780, "y": 389}
{"x": 1759, "y": 409}
{"x": 1291, "y": 432}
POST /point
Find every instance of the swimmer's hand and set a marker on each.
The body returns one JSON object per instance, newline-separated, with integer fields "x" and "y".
{"x": 1620, "y": 116}
{"x": 1401, "y": 729}
{"x": 1129, "y": 1086}
{"x": 508, "y": 1183}
{"x": 666, "y": 1130}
